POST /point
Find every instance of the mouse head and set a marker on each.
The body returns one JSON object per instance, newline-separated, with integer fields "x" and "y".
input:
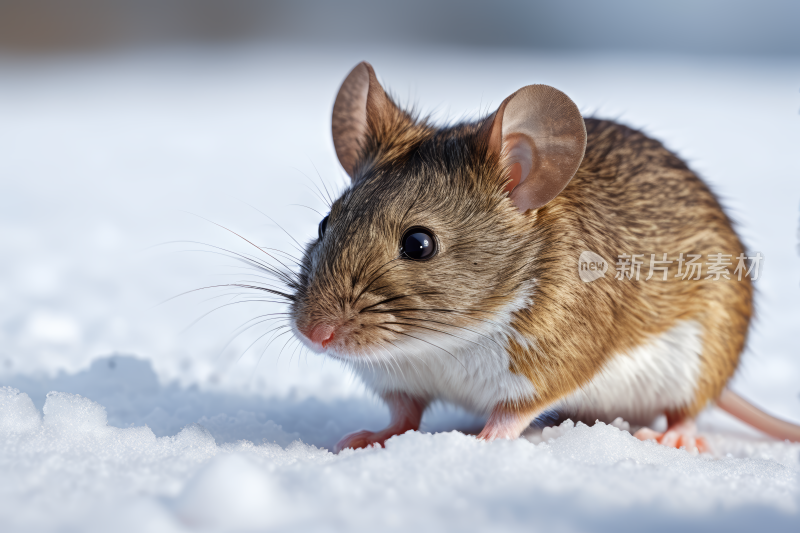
{"x": 433, "y": 242}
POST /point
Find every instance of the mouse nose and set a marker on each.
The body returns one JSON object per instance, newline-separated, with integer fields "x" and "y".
{"x": 321, "y": 334}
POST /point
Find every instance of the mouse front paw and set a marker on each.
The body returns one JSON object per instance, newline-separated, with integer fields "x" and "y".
{"x": 359, "y": 439}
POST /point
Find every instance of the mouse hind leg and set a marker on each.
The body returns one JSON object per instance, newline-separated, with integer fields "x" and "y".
{"x": 724, "y": 335}
{"x": 507, "y": 421}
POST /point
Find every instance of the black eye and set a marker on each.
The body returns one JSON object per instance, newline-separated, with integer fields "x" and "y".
{"x": 418, "y": 244}
{"x": 323, "y": 224}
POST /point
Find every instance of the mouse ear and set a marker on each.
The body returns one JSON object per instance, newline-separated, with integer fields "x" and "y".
{"x": 359, "y": 106}
{"x": 540, "y": 137}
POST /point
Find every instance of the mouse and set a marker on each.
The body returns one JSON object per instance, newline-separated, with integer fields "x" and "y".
{"x": 528, "y": 262}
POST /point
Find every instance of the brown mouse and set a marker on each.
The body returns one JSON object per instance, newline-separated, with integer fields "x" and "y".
{"x": 450, "y": 270}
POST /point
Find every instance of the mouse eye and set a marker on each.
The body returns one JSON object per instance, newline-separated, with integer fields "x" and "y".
{"x": 418, "y": 244}
{"x": 323, "y": 225}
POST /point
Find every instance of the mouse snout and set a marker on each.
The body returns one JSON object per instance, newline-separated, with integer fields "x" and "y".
{"x": 320, "y": 334}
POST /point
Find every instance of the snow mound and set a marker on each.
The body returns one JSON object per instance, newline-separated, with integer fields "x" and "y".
{"x": 73, "y": 465}
{"x": 130, "y": 390}
{"x": 17, "y": 412}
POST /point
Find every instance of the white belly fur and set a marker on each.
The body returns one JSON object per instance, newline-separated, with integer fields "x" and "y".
{"x": 640, "y": 385}
{"x": 474, "y": 376}
{"x": 470, "y": 369}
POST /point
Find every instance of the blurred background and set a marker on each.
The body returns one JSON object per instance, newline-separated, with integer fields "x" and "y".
{"x": 129, "y": 125}
{"x": 767, "y": 27}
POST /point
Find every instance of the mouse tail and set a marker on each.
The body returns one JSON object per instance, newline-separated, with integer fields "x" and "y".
{"x": 748, "y": 413}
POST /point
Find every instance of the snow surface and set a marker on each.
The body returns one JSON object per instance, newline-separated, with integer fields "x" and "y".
{"x": 105, "y": 159}
{"x": 71, "y": 469}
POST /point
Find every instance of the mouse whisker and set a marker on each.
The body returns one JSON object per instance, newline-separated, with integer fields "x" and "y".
{"x": 285, "y": 344}
{"x": 227, "y": 305}
{"x": 276, "y": 337}
{"x": 426, "y": 342}
{"x": 291, "y": 357}
{"x": 233, "y": 296}
{"x": 250, "y": 273}
{"x": 253, "y": 284}
{"x": 434, "y": 329}
{"x": 253, "y": 244}
{"x": 246, "y": 327}
{"x": 455, "y": 326}
{"x": 388, "y": 353}
{"x": 374, "y": 278}
{"x": 328, "y": 201}
{"x": 467, "y": 314}
{"x": 318, "y": 192}
{"x": 289, "y": 297}
{"x": 395, "y": 298}
{"x": 260, "y": 280}
{"x": 307, "y": 207}
{"x": 446, "y": 324}
{"x": 299, "y": 246}
{"x": 410, "y": 358}
{"x": 322, "y": 181}
{"x": 390, "y": 364}
{"x": 235, "y": 336}
{"x": 288, "y": 276}
{"x": 273, "y": 330}
{"x": 286, "y": 255}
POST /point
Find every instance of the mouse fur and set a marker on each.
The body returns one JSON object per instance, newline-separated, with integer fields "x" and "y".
{"x": 499, "y": 320}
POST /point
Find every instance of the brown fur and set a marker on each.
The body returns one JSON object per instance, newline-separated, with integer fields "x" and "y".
{"x": 630, "y": 195}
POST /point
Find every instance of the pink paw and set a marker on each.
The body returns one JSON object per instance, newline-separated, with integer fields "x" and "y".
{"x": 682, "y": 435}
{"x": 359, "y": 439}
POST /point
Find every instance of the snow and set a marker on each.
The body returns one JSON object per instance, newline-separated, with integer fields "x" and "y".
{"x": 107, "y": 158}
{"x": 89, "y": 474}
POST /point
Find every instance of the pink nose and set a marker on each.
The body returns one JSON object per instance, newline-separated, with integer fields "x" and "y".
{"x": 322, "y": 334}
